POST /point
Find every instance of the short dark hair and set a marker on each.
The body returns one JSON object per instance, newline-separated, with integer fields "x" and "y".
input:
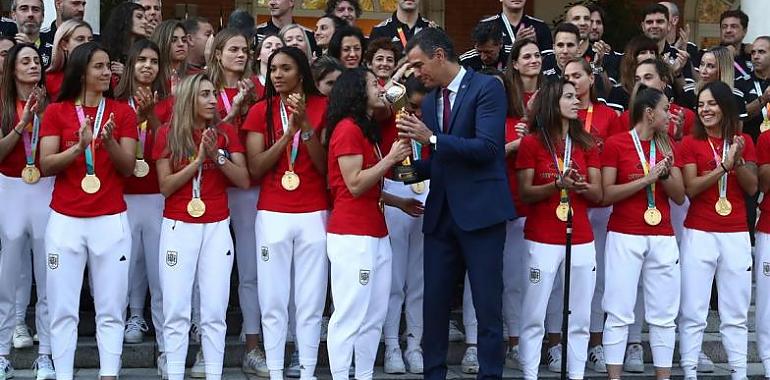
{"x": 737, "y": 13}
{"x": 430, "y": 39}
{"x": 485, "y": 32}
{"x": 331, "y": 5}
{"x": 192, "y": 24}
{"x": 382, "y": 43}
{"x": 592, "y": 7}
{"x": 243, "y": 21}
{"x": 567, "y": 27}
{"x": 655, "y": 8}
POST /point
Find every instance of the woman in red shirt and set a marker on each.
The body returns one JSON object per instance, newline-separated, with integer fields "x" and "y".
{"x": 197, "y": 159}
{"x": 763, "y": 254}
{"x": 559, "y": 158}
{"x": 718, "y": 165}
{"x": 24, "y": 209}
{"x": 144, "y": 91}
{"x": 88, "y": 142}
{"x": 640, "y": 239}
{"x": 69, "y": 35}
{"x": 357, "y": 237}
{"x": 265, "y": 49}
{"x": 286, "y": 155}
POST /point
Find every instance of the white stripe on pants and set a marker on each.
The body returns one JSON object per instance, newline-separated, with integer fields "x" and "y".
{"x": 243, "y": 213}
{"x": 762, "y": 270}
{"x": 191, "y": 251}
{"x": 292, "y": 243}
{"x": 360, "y": 273}
{"x": 545, "y": 262}
{"x": 656, "y": 260}
{"x": 145, "y": 215}
{"x": 407, "y": 287}
{"x": 728, "y": 256}
{"x": 24, "y": 215}
{"x": 104, "y": 244}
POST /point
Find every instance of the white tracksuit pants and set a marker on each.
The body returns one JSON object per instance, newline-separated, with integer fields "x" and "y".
{"x": 599, "y": 218}
{"x": 762, "y": 270}
{"x": 728, "y": 257}
{"x": 145, "y": 215}
{"x": 360, "y": 273}
{"x": 243, "y": 213}
{"x": 24, "y": 284}
{"x": 24, "y": 215}
{"x": 545, "y": 262}
{"x": 654, "y": 259}
{"x": 291, "y": 242}
{"x": 104, "y": 244}
{"x": 407, "y": 287}
{"x": 190, "y": 251}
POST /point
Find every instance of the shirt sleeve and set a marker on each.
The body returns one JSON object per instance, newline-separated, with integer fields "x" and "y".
{"x": 610, "y": 154}
{"x": 592, "y": 158}
{"x": 686, "y": 154}
{"x": 749, "y": 153}
{"x": 526, "y": 157}
{"x": 763, "y": 149}
{"x": 51, "y": 123}
{"x": 159, "y": 150}
{"x": 346, "y": 140}
{"x": 125, "y": 120}
{"x": 233, "y": 142}
{"x": 255, "y": 120}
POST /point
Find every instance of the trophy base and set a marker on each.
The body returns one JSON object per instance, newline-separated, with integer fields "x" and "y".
{"x": 406, "y": 174}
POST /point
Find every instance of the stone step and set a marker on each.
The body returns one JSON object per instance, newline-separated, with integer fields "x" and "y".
{"x": 755, "y": 372}
{"x": 143, "y": 355}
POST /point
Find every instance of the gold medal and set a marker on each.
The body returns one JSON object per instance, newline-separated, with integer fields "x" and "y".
{"x": 723, "y": 207}
{"x": 90, "y": 183}
{"x": 196, "y": 208}
{"x": 765, "y": 126}
{"x": 419, "y": 187}
{"x": 290, "y": 181}
{"x": 562, "y": 210}
{"x": 30, "y": 174}
{"x": 141, "y": 168}
{"x": 652, "y": 216}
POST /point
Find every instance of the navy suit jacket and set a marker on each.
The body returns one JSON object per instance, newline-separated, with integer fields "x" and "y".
{"x": 467, "y": 165}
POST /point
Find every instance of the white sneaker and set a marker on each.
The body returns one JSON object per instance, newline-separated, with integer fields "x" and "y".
{"x": 254, "y": 363}
{"x": 704, "y": 363}
{"x": 195, "y": 333}
{"x": 455, "y": 335}
{"x": 512, "y": 357}
{"x": 394, "y": 362}
{"x": 6, "y": 369}
{"x": 554, "y": 358}
{"x": 22, "y": 337}
{"x": 414, "y": 361}
{"x": 198, "y": 370}
{"x": 324, "y": 328}
{"x": 634, "y": 361}
{"x": 596, "y": 359}
{"x": 42, "y": 368}
{"x": 162, "y": 367}
{"x": 470, "y": 363}
{"x": 136, "y": 326}
{"x": 293, "y": 370}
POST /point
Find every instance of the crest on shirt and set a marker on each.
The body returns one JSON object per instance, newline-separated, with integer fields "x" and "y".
{"x": 171, "y": 258}
{"x": 534, "y": 275}
{"x": 265, "y": 253}
{"x": 766, "y": 268}
{"x": 53, "y": 260}
{"x": 363, "y": 276}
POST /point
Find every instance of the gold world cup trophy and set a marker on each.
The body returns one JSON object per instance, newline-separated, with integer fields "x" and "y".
{"x": 404, "y": 171}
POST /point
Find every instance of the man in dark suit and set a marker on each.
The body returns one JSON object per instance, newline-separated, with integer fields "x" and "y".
{"x": 469, "y": 200}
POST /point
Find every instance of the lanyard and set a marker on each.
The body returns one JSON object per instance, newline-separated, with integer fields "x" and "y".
{"x": 508, "y": 27}
{"x": 739, "y": 68}
{"x": 225, "y": 101}
{"x": 90, "y": 151}
{"x": 30, "y": 138}
{"x": 292, "y": 152}
{"x": 563, "y": 165}
{"x": 401, "y": 36}
{"x": 646, "y": 166}
{"x": 196, "y": 183}
{"x": 719, "y": 160}
{"x": 142, "y": 129}
{"x": 589, "y": 118}
{"x": 765, "y": 107}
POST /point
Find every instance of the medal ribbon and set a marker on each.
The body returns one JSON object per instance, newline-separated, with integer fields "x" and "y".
{"x": 509, "y": 28}
{"x": 142, "y": 129}
{"x": 765, "y": 107}
{"x": 646, "y": 166}
{"x": 293, "y": 152}
{"x": 589, "y": 118}
{"x": 30, "y": 139}
{"x": 225, "y": 101}
{"x": 563, "y": 165}
{"x": 196, "y": 183}
{"x": 401, "y": 36}
{"x": 91, "y": 149}
{"x": 719, "y": 160}
{"x": 739, "y": 68}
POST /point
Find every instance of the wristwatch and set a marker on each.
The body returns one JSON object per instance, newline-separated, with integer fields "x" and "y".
{"x": 222, "y": 157}
{"x": 306, "y": 135}
{"x": 433, "y": 140}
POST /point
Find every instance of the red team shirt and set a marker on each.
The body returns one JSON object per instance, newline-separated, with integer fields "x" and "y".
{"x": 763, "y": 158}
{"x": 701, "y": 215}
{"x": 16, "y": 159}
{"x": 311, "y": 194}
{"x": 624, "y": 121}
{"x": 542, "y": 225}
{"x": 603, "y": 122}
{"x": 68, "y": 197}
{"x": 510, "y": 166}
{"x": 353, "y": 215}
{"x": 213, "y": 181}
{"x": 53, "y": 82}
{"x": 149, "y": 183}
{"x": 628, "y": 214}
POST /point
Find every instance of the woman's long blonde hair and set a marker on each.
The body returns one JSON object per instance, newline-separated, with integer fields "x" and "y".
{"x": 180, "y": 143}
{"x": 214, "y": 67}
{"x": 286, "y": 28}
{"x": 63, "y": 34}
{"x": 725, "y": 63}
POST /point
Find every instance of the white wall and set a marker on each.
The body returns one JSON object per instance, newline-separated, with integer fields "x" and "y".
{"x": 758, "y": 10}
{"x": 91, "y": 17}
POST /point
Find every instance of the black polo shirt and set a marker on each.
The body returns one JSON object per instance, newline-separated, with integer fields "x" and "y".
{"x": 542, "y": 32}
{"x": 389, "y": 29}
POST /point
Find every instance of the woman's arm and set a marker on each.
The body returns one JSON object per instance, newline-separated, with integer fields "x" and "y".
{"x": 171, "y": 182}
{"x": 359, "y": 180}
{"x": 235, "y": 170}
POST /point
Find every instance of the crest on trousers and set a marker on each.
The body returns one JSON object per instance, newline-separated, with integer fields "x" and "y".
{"x": 171, "y": 258}
{"x": 53, "y": 260}
{"x": 265, "y": 253}
{"x": 534, "y": 275}
{"x": 766, "y": 268}
{"x": 363, "y": 276}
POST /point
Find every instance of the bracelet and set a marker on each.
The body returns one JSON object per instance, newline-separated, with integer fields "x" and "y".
{"x": 722, "y": 164}
{"x": 17, "y": 132}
